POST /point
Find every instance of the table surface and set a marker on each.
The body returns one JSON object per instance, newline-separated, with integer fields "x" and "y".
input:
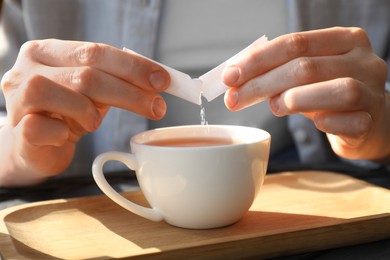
{"x": 295, "y": 212}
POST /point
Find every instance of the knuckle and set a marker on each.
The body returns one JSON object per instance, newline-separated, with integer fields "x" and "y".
{"x": 366, "y": 123}
{"x": 89, "y": 110}
{"x": 82, "y": 79}
{"x": 27, "y": 99}
{"x": 359, "y": 35}
{"x": 254, "y": 90}
{"x": 305, "y": 69}
{"x": 350, "y": 92}
{"x": 29, "y": 48}
{"x": 132, "y": 63}
{"x": 297, "y": 45}
{"x": 34, "y": 89}
{"x": 99, "y": 119}
{"x": 9, "y": 80}
{"x": 87, "y": 53}
{"x": 381, "y": 68}
{"x": 253, "y": 58}
{"x": 27, "y": 128}
{"x": 362, "y": 127}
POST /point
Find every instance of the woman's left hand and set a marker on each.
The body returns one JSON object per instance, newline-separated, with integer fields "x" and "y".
{"x": 331, "y": 76}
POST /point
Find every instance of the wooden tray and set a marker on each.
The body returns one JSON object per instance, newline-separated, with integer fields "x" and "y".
{"x": 294, "y": 213}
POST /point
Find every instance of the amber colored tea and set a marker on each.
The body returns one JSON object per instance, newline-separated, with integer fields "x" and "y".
{"x": 191, "y": 142}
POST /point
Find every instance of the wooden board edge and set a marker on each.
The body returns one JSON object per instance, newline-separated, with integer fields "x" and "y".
{"x": 357, "y": 231}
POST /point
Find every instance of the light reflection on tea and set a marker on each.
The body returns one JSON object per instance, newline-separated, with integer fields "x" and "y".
{"x": 191, "y": 142}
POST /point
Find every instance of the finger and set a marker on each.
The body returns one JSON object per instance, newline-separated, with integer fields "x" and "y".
{"x": 351, "y": 125}
{"x": 105, "y": 89}
{"x": 125, "y": 65}
{"x": 41, "y": 130}
{"x": 258, "y": 60}
{"x": 40, "y": 94}
{"x": 44, "y": 145}
{"x": 297, "y": 72}
{"x": 344, "y": 94}
{"x": 347, "y": 147}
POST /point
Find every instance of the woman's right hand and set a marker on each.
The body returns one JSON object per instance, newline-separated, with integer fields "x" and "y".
{"x": 58, "y": 91}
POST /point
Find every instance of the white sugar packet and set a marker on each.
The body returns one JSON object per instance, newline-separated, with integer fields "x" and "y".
{"x": 209, "y": 85}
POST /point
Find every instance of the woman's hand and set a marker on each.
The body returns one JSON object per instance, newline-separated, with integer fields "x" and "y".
{"x": 332, "y": 76}
{"x": 58, "y": 91}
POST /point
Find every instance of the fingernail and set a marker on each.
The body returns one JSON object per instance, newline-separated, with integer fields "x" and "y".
{"x": 232, "y": 99}
{"x": 275, "y": 105}
{"x": 319, "y": 121}
{"x": 98, "y": 121}
{"x": 231, "y": 75}
{"x": 159, "y": 107}
{"x": 158, "y": 80}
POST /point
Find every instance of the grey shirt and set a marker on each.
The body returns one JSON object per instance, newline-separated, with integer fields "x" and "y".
{"x": 374, "y": 17}
{"x": 135, "y": 24}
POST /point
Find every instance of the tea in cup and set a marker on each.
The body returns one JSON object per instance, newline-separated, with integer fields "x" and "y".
{"x": 196, "y": 177}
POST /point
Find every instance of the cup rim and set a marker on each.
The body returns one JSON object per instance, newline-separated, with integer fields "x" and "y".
{"x": 154, "y": 134}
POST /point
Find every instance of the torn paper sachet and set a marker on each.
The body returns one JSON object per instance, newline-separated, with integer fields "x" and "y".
{"x": 209, "y": 85}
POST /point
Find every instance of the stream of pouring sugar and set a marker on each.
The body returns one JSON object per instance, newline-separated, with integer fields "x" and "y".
{"x": 203, "y": 120}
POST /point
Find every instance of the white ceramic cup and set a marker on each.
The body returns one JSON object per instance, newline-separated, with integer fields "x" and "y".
{"x": 193, "y": 187}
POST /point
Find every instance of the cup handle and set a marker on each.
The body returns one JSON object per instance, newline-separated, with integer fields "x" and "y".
{"x": 130, "y": 161}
